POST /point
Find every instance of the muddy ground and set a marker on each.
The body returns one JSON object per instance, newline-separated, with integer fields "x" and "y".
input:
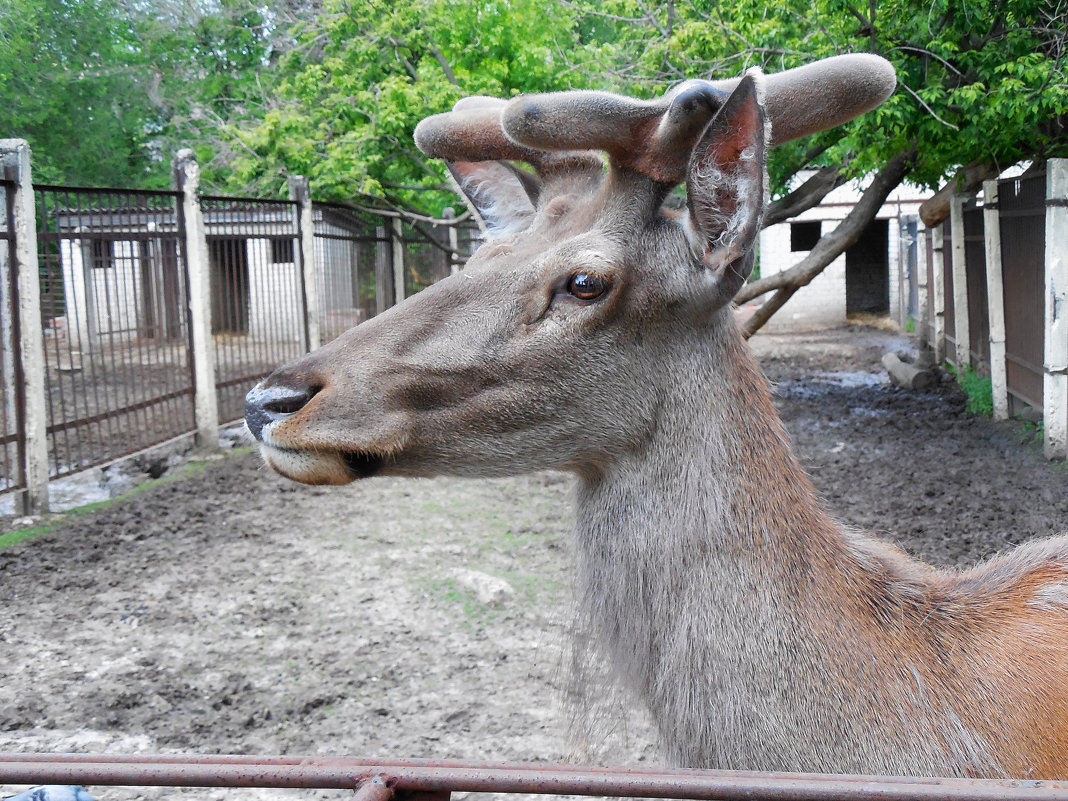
{"x": 226, "y": 610}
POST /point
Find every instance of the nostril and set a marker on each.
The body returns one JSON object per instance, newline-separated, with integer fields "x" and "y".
{"x": 265, "y": 405}
{"x": 290, "y": 403}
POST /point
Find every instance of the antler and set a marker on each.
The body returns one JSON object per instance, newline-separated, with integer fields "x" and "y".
{"x": 472, "y": 131}
{"x": 652, "y": 137}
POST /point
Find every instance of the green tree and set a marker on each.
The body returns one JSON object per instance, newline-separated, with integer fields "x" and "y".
{"x": 366, "y": 71}
{"x": 981, "y": 86}
{"x": 67, "y": 86}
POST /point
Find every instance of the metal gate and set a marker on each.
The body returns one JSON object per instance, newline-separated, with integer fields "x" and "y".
{"x": 259, "y": 306}
{"x": 1022, "y": 211}
{"x": 114, "y": 314}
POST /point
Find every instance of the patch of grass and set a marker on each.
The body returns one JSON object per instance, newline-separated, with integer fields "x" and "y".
{"x": 977, "y": 388}
{"x": 186, "y": 470}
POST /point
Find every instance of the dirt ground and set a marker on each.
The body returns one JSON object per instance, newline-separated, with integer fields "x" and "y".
{"x": 226, "y": 610}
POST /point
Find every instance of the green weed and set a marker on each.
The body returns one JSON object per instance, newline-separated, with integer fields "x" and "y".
{"x": 977, "y": 388}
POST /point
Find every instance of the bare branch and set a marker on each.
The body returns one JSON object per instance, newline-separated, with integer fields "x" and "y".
{"x": 930, "y": 110}
{"x": 830, "y": 246}
{"x": 806, "y": 196}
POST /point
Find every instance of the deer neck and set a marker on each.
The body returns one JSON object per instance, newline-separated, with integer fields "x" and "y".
{"x": 719, "y": 585}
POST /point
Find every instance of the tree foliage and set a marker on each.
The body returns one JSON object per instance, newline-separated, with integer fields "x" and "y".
{"x": 66, "y": 87}
{"x": 365, "y": 72}
{"x": 107, "y": 90}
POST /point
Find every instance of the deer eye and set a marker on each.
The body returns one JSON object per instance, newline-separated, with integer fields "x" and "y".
{"x": 587, "y": 286}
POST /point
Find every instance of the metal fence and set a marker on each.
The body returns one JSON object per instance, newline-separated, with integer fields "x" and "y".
{"x": 354, "y": 267}
{"x": 430, "y": 780}
{"x": 118, "y": 310}
{"x": 1022, "y": 203}
{"x": 113, "y": 301}
{"x": 258, "y": 297}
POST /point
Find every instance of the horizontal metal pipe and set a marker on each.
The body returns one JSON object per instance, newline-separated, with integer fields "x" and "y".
{"x": 424, "y": 775}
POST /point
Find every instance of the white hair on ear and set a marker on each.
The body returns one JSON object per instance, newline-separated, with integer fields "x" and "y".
{"x": 500, "y": 206}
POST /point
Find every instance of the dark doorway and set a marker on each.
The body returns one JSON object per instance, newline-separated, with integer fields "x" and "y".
{"x": 229, "y": 285}
{"x": 867, "y": 271}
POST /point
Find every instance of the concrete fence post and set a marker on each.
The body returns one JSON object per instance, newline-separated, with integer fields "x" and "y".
{"x": 398, "y": 260}
{"x": 995, "y": 297}
{"x": 198, "y": 270}
{"x": 904, "y": 278}
{"x": 15, "y": 166}
{"x": 923, "y": 324}
{"x": 454, "y": 242}
{"x": 383, "y": 269}
{"x": 938, "y": 276}
{"x": 1055, "y": 378}
{"x": 300, "y": 192}
{"x": 961, "y": 331}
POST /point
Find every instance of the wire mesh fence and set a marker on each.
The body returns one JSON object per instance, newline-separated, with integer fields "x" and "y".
{"x": 258, "y": 304}
{"x": 353, "y": 263}
{"x": 113, "y": 312}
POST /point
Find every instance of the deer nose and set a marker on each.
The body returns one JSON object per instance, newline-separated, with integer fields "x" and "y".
{"x": 265, "y": 405}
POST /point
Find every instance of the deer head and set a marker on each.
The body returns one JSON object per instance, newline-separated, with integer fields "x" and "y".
{"x": 554, "y": 346}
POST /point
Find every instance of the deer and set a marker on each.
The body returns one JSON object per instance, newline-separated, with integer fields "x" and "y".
{"x": 593, "y": 332}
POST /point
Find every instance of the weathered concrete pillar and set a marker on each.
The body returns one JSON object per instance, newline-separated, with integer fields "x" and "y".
{"x": 398, "y": 260}
{"x": 1055, "y": 378}
{"x": 923, "y": 324}
{"x": 15, "y": 166}
{"x": 198, "y": 271}
{"x": 995, "y": 296}
{"x": 938, "y": 276}
{"x": 454, "y": 242}
{"x": 300, "y": 191}
{"x": 960, "y": 282}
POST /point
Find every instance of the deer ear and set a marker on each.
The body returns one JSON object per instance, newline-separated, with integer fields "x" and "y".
{"x": 501, "y": 196}
{"x": 726, "y": 185}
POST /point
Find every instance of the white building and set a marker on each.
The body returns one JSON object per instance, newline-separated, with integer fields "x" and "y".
{"x": 863, "y": 279}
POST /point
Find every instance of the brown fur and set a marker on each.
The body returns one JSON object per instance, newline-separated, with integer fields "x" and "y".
{"x": 760, "y": 634}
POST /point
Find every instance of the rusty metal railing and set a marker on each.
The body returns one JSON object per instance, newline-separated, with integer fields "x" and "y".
{"x": 425, "y": 780}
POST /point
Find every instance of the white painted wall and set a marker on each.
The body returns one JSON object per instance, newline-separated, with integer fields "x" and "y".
{"x": 275, "y": 309}
{"x": 822, "y": 304}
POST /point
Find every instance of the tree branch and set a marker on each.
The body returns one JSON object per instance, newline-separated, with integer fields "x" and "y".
{"x": 968, "y": 180}
{"x": 809, "y": 195}
{"x": 830, "y": 247}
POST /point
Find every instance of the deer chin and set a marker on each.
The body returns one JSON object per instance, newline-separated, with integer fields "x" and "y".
{"x": 321, "y": 467}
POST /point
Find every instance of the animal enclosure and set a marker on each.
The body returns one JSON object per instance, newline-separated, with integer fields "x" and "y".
{"x": 359, "y": 636}
{"x": 117, "y": 354}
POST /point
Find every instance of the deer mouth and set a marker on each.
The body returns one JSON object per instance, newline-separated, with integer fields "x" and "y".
{"x": 314, "y": 466}
{"x": 362, "y": 464}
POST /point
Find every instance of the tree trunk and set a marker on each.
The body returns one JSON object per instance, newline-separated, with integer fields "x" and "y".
{"x": 968, "y": 180}
{"x": 830, "y": 247}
